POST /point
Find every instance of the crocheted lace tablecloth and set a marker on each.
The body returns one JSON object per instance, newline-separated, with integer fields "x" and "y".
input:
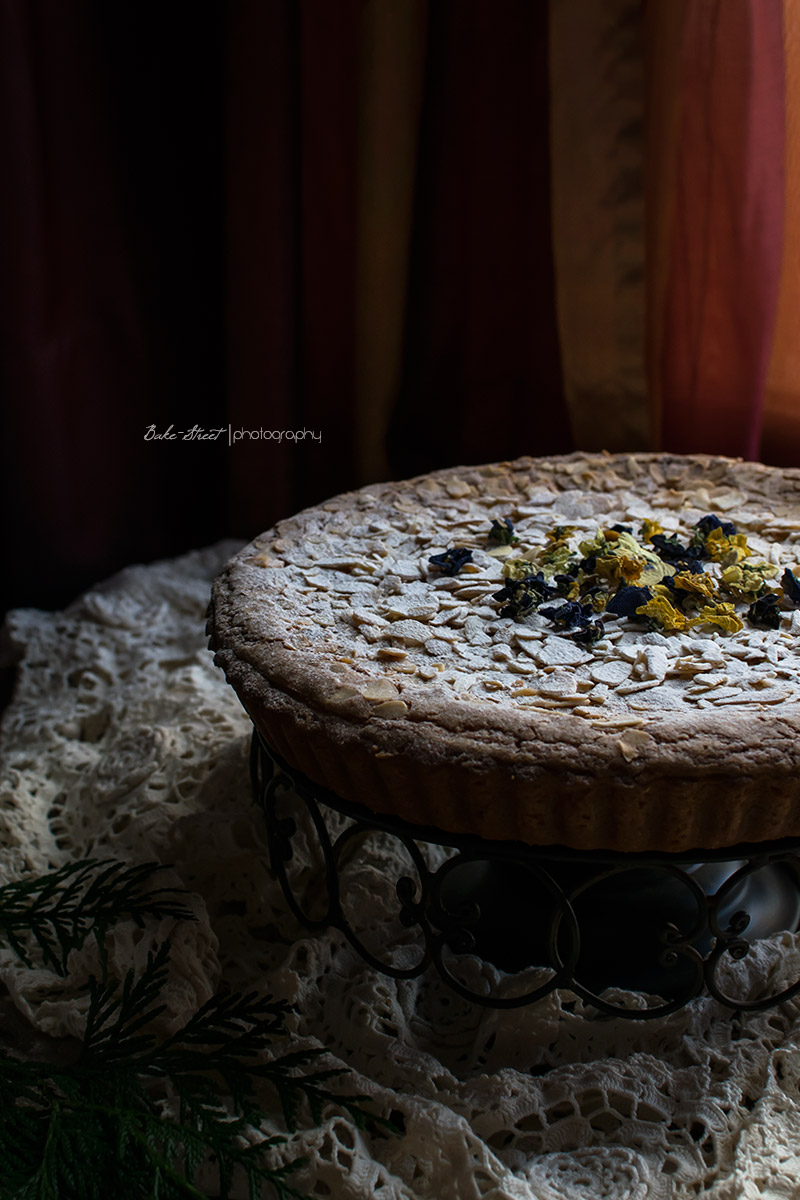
{"x": 124, "y": 741}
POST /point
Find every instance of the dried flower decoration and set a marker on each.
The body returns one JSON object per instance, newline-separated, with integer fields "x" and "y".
{"x": 791, "y": 586}
{"x": 451, "y": 561}
{"x": 523, "y": 596}
{"x": 503, "y": 532}
{"x": 661, "y": 615}
{"x": 567, "y": 616}
{"x": 670, "y": 550}
{"x": 723, "y": 615}
{"x": 628, "y": 601}
{"x": 657, "y": 581}
{"x": 765, "y": 612}
{"x": 588, "y": 634}
{"x": 649, "y": 528}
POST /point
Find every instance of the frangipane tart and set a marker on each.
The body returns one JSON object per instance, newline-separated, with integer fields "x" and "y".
{"x": 604, "y": 652}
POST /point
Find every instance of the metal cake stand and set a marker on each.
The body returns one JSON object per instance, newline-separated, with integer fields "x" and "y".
{"x": 666, "y": 926}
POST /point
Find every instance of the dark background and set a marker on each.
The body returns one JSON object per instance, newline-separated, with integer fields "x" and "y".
{"x": 178, "y": 231}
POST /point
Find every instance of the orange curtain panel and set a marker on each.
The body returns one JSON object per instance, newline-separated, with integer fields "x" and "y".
{"x": 717, "y": 151}
{"x": 780, "y": 433}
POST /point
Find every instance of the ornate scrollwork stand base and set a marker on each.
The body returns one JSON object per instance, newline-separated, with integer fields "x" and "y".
{"x": 670, "y": 926}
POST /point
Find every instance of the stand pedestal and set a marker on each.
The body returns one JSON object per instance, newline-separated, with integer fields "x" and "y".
{"x": 669, "y": 925}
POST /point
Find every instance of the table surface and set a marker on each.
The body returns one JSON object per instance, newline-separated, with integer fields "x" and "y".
{"x": 123, "y": 740}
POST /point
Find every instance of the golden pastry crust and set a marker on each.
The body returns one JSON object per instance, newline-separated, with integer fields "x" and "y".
{"x": 404, "y": 690}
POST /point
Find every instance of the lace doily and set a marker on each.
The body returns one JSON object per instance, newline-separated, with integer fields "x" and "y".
{"x": 124, "y": 741}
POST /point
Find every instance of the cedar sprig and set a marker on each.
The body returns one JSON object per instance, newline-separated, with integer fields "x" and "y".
{"x": 104, "y": 1114}
{"x": 56, "y": 913}
{"x": 225, "y": 1040}
{"x": 104, "y": 1125}
{"x": 82, "y": 1137}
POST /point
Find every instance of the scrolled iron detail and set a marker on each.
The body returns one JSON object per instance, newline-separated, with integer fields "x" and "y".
{"x": 556, "y": 912}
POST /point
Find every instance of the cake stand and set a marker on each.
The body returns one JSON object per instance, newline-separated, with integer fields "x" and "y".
{"x": 602, "y": 925}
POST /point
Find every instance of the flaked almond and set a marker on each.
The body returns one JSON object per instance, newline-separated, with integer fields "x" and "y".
{"x": 632, "y": 742}
{"x": 559, "y": 684}
{"x": 613, "y": 672}
{"x": 379, "y": 689}
{"x": 391, "y": 708}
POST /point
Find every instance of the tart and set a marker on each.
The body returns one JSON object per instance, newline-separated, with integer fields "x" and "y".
{"x": 595, "y": 651}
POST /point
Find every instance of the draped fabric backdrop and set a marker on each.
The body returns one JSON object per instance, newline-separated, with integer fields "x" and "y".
{"x": 430, "y": 233}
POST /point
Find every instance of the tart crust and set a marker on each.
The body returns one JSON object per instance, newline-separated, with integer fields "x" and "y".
{"x": 381, "y": 735}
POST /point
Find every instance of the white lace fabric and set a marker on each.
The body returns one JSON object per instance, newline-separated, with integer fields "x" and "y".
{"x": 123, "y": 741}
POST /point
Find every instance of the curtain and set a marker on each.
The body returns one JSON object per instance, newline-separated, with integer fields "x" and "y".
{"x": 675, "y": 151}
{"x": 373, "y": 238}
{"x": 721, "y": 215}
{"x": 110, "y": 289}
{"x": 390, "y": 281}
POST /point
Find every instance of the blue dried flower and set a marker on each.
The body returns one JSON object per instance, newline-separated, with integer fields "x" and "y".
{"x": 451, "y": 561}
{"x": 708, "y": 523}
{"x": 523, "y": 596}
{"x": 536, "y": 584}
{"x": 568, "y": 615}
{"x": 627, "y": 600}
{"x": 588, "y": 634}
{"x": 765, "y": 613}
{"x": 563, "y": 584}
{"x": 791, "y": 586}
{"x": 670, "y": 550}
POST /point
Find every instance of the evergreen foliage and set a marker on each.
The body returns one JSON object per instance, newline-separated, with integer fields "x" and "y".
{"x": 135, "y": 1116}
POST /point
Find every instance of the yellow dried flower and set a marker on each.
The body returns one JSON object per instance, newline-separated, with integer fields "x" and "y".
{"x": 594, "y": 546}
{"x": 723, "y": 549}
{"x": 662, "y": 613}
{"x": 559, "y": 535}
{"x": 555, "y": 560}
{"x": 518, "y": 568}
{"x": 700, "y": 584}
{"x": 723, "y": 615}
{"x": 748, "y": 582}
{"x": 649, "y": 528}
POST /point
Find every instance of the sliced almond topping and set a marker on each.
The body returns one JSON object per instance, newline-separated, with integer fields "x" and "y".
{"x": 379, "y": 689}
{"x": 613, "y": 672}
{"x": 632, "y": 742}
{"x": 391, "y": 708}
{"x": 560, "y": 684}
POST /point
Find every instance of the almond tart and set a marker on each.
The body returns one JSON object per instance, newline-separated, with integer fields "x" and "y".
{"x": 594, "y": 651}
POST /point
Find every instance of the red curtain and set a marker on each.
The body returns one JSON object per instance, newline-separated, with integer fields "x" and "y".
{"x": 721, "y": 212}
